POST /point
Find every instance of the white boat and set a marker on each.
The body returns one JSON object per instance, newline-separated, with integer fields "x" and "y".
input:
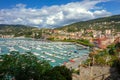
{"x": 53, "y": 60}
{"x": 38, "y": 48}
{"x": 58, "y": 57}
{"x": 42, "y": 56}
{"x": 12, "y": 49}
{"x": 48, "y": 54}
{"x": 24, "y": 48}
{"x": 36, "y": 53}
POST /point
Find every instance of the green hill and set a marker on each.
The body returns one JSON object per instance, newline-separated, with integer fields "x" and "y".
{"x": 112, "y": 22}
{"x": 17, "y": 30}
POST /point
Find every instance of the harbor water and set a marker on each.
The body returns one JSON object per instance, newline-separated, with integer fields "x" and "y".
{"x": 56, "y": 53}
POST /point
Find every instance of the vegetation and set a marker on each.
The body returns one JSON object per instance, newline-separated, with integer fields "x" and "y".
{"x": 59, "y": 73}
{"x": 28, "y": 67}
{"x": 112, "y": 22}
{"x": 85, "y": 42}
{"x": 20, "y": 30}
{"x": 107, "y": 57}
{"x": 51, "y": 39}
{"x": 14, "y": 29}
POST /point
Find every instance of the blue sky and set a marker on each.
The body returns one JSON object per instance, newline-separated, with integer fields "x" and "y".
{"x": 55, "y": 13}
{"x": 34, "y": 3}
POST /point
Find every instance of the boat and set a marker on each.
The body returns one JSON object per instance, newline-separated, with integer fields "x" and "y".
{"x": 24, "y": 48}
{"x": 12, "y": 49}
{"x": 38, "y": 48}
{"x": 36, "y": 53}
{"x": 48, "y": 54}
{"x": 53, "y": 60}
{"x": 43, "y": 57}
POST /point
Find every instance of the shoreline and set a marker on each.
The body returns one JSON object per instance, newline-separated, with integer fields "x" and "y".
{"x": 76, "y": 62}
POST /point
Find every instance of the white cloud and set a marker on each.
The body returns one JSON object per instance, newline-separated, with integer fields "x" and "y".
{"x": 20, "y": 5}
{"x": 35, "y": 21}
{"x": 53, "y": 16}
{"x": 102, "y": 13}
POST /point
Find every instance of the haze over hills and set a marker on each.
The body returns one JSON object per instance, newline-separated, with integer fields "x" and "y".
{"x": 112, "y": 22}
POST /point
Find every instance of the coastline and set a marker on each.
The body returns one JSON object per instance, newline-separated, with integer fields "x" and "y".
{"x": 76, "y": 62}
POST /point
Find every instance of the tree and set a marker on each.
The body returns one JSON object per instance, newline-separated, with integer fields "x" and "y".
{"x": 53, "y": 75}
{"x": 117, "y": 46}
{"x": 22, "y": 66}
{"x": 28, "y": 66}
{"x": 67, "y": 73}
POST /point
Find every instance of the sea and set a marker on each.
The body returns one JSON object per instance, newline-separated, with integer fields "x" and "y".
{"x": 56, "y": 53}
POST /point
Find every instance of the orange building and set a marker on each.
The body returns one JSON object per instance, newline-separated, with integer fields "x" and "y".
{"x": 101, "y": 42}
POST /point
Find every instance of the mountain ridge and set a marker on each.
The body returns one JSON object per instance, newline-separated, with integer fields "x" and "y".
{"x": 111, "y": 22}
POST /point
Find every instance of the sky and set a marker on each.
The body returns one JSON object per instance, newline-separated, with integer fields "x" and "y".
{"x": 55, "y": 13}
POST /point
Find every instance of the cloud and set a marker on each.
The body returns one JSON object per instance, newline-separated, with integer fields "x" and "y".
{"x": 20, "y": 5}
{"x": 53, "y": 16}
{"x": 100, "y": 13}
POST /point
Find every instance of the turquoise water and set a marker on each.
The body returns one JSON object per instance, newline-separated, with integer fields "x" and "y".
{"x": 56, "y": 53}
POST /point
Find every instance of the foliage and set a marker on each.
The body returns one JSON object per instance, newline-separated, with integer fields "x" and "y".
{"x": 20, "y": 30}
{"x": 105, "y": 57}
{"x": 112, "y": 51}
{"x": 58, "y": 73}
{"x": 64, "y": 72}
{"x": 76, "y": 71}
{"x": 114, "y": 48}
{"x": 117, "y": 46}
{"x": 53, "y": 75}
{"x": 85, "y": 42}
{"x": 97, "y": 24}
{"x": 28, "y": 66}
{"x": 15, "y": 29}
{"x": 117, "y": 64}
{"x": 52, "y": 39}
{"x": 22, "y": 66}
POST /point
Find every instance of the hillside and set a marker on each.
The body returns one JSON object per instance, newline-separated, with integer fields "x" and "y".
{"x": 17, "y": 30}
{"x": 112, "y": 22}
